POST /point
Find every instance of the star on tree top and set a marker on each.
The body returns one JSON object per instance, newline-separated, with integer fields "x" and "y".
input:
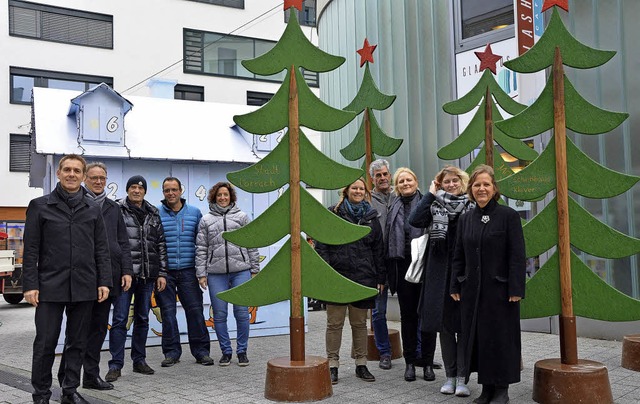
{"x": 293, "y": 3}
{"x": 563, "y": 4}
{"x": 366, "y": 53}
{"x": 488, "y": 59}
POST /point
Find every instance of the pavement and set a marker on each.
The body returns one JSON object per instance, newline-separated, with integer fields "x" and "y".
{"x": 188, "y": 382}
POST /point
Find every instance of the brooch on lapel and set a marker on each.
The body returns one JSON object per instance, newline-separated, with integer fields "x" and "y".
{"x": 485, "y": 219}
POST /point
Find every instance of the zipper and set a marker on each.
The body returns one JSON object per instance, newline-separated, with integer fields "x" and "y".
{"x": 226, "y": 245}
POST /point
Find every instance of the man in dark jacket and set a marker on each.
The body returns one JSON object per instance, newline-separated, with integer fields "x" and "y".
{"x": 149, "y": 258}
{"x": 66, "y": 267}
{"x": 95, "y": 182}
{"x": 180, "y": 223}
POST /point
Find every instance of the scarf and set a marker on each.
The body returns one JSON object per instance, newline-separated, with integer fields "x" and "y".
{"x": 356, "y": 211}
{"x": 72, "y": 200}
{"x": 397, "y": 225}
{"x": 99, "y": 199}
{"x": 214, "y": 207}
{"x": 139, "y": 212}
{"x": 445, "y": 209}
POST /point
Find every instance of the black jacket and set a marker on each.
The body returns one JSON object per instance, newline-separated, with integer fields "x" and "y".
{"x": 148, "y": 246}
{"x": 66, "y": 254}
{"x": 488, "y": 267}
{"x": 361, "y": 261}
{"x": 118, "y": 244}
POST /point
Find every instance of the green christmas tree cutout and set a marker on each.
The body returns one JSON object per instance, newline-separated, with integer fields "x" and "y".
{"x": 487, "y": 94}
{"x": 591, "y": 297}
{"x": 371, "y": 140}
{"x": 296, "y": 270}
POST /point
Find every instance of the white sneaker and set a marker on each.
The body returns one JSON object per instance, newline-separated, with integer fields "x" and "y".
{"x": 449, "y": 387}
{"x": 461, "y": 388}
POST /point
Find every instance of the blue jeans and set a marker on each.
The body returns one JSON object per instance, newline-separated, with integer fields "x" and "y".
{"x": 141, "y": 292}
{"x": 184, "y": 283}
{"x": 379, "y": 320}
{"x": 219, "y": 283}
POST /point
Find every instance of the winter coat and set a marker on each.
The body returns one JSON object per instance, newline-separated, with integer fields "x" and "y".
{"x": 214, "y": 254}
{"x": 147, "y": 242}
{"x": 362, "y": 261}
{"x": 397, "y": 247}
{"x": 382, "y": 205}
{"x": 488, "y": 267}
{"x": 180, "y": 229}
{"x": 436, "y": 305}
{"x": 66, "y": 254}
{"x": 118, "y": 244}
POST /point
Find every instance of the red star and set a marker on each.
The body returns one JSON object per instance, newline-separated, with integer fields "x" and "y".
{"x": 293, "y": 3}
{"x": 563, "y": 4}
{"x": 366, "y": 53}
{"x": 487, "y": 59}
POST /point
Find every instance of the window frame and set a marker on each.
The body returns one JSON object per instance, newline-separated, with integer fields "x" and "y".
{"x": 188, "y": 88}
{"x": 88, "y": 15}
{"x": 41, "y": 78}
{"x": 258, "y": 95}
{"x": 305, "y": 22}
{"x": 15, "y": 138}
{"x": 223, "y": 3}
{"x": 463, "y": 45}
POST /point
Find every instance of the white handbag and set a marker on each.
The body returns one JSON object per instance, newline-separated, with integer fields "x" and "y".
{"x": 418, "y": 257}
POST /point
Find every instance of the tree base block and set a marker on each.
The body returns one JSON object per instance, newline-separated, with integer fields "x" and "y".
{"x": 394, "y": 340}
{"x": 631, "y": 352}
{"x": 306, "y": 380}
{"x": 585, "y": 382}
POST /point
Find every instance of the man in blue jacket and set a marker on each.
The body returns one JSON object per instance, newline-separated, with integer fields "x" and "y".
{"x": 180, "y": 222}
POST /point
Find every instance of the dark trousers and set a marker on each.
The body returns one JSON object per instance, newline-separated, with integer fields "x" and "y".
{"x": 184, "y": 284}
{"x": 48, "y": 321}
{"x": 97, "y": 333}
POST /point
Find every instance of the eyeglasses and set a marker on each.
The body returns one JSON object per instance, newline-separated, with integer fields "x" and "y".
{"x": 98, "y": 178}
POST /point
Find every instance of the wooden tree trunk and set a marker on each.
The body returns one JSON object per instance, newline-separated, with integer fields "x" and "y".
{"x": 488, "y": 129}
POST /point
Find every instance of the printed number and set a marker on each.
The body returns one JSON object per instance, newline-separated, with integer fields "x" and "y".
{"x": 113, "y": 188}
{"x": 201, "y": 192}
{"x": 112, "y": 125}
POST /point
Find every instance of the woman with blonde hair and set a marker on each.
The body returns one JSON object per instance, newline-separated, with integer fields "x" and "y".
{"x": 362, "y": 261}
{"x": 438, "y": 212}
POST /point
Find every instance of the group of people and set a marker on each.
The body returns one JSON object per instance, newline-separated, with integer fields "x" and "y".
{"x": 472, "y": 279}
{"x": 84, "y": 253}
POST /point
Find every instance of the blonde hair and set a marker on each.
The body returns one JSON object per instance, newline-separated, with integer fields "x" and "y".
{"x": 344, "y": 192}
{"x": 483, "y": 169}
{"x": 453, "y": 170}
{"x": 399, "y": 171}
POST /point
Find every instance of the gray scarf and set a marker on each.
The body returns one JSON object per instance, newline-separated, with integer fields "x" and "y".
{"x": 447, "y": 207}
{"x": 214, "y": 207}
{"x": 99, "y": 199}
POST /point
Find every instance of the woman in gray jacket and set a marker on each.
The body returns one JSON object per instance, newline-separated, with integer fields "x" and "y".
{"x": 222, "y": 265}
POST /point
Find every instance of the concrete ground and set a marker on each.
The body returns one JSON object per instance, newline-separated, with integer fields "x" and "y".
{"x": 189, "y": 382}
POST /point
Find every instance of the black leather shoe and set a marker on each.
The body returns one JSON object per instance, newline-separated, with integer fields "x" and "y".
{"x": 142, "y": 367}
{"x": 334, "y": 375}
{"x": 385, "y": 362}
{"x": 363, "y": 373}
{"x": 112, "y": 375}
{"x": 410, "y": 373}
{"x": 96, "y": 384}
{"x": 429, "y": 375}
{"x": 74, "y": 398}
{"x": 486, "y": 395}
{"x": 500, "y": 395}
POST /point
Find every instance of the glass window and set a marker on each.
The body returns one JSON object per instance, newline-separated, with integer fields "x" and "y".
{"x": 482, "y": 22}
{"x": 225, "y": 3}
{"x": 187, "y": 92}
{"x": 19, "y": 160}
{"x": 307, "y": 16}
{"x": 23, "y": 80}
{"x": 58, "y": 24}
{"x": 257, "y": 98}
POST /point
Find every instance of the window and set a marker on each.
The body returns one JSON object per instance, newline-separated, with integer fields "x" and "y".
{"x": 225, "y": 3}
{"x": 19, "y": 160}
{"x": 221, "y": 55}
{"x": 23, "y": 80}
{"x": 187, "y": 92}
{"x": 307, "y": 16}
{"x": 482, "y": 22}
{"x": 257, "y": 98}
{"x": 57, "y": 24}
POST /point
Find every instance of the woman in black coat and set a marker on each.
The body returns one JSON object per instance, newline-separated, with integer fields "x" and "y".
{"x": 362, "y": 261}
{"x": 438, "y": 212}
{"x": 488, "y": 278}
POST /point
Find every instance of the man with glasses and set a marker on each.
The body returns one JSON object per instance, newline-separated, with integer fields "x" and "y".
{"x": 180, "y": 222}
{"x": 95, "y": 183}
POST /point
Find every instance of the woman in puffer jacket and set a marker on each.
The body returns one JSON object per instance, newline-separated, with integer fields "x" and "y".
{"x": 222, "y": 265}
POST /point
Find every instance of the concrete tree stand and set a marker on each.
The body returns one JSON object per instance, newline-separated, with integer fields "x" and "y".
{"x": 585, "y": 382}
{"x": 289, "y": 380}
{"x": 394, "y": 340}
{"x": 631, "y": 352}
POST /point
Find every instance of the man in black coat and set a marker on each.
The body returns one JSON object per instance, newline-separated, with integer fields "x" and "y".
{"x": 121, "y": 269}
{"x": 66, "y": 267}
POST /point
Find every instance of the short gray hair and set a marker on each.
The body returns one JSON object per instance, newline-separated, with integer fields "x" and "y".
{"x": 377, "y": 165}
{"x": 98, "y": 164}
